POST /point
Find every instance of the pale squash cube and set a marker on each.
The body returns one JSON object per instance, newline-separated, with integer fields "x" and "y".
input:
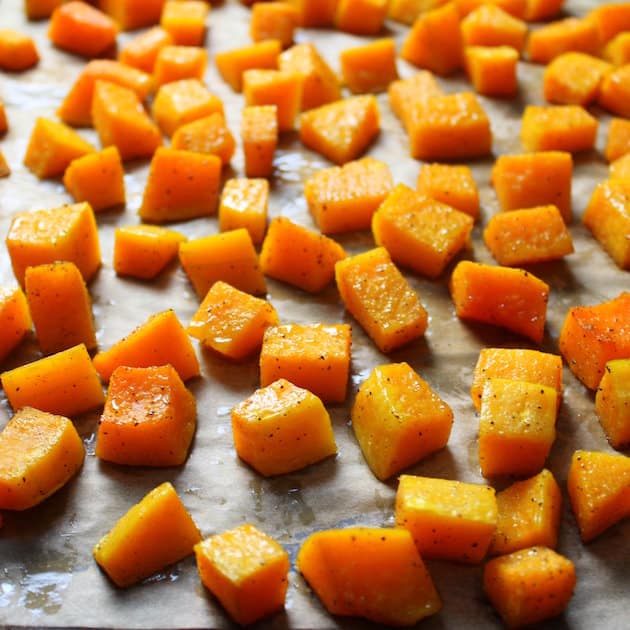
{"x": 15, "y": 319}
{"x": 612, "y": 402}
{"x": 244, "y": 204}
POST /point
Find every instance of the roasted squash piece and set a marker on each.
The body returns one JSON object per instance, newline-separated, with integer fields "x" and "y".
{"x": 231, "y": 64}
{"x": 273, "y": 20}
{"x": 17, "y": 51}
{"x": 15, "y": 319}
{"x": 185, "y": 20}
{"x": 618, "y": 139}
{"x": 617, "y": 50}
{"x": 406, "y": 11}
{"x": 561, "y": 36}
{"x": 452, "y": 184}
{"x": 370, "y": 67}
{"x": 361, "y": 17}
{"x": 612, "y": 402}
{"x": 244, "y": 203}
{"x": 174, "y": 63}
{"x": 490, "y": 25}
{"x": 406, "y": 96}
{"x": 259, "y": 137}
{"x": 141, "y": 51}
{"x": 541, "y": 10}
{"x": 614, "y": 91}
{"x": 5, "y": 169}
{"x": 620, "y": 168}
{"x": 492, "y": 70}
{"x": 40, "y": 9}
{"x": 209, "y": 135}
{"x": 610, "y": 19}
{"x": 515, "y": 8}
{"x": 133, "y": 14}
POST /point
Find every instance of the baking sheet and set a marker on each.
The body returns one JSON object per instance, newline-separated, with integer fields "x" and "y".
{"x": 47, "y": 574}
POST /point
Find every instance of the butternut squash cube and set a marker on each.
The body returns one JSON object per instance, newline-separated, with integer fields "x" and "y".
{"x": 448, "y": 519}
{"x": 150, "y": 536}
{"x": 593, "y": 335}
{"x": 244, "y": 203}
{"x": 15, "y": 319}
{"x": 232, "y": 64}
{"x": 259, "y": 138}
{"x": 406, "y": 96}
{"x": 52, "y": 146}
{"x": 174, "y": 63}
{"x": 209, "y": 135}
{"x": 246, "y": 570}
{"x": 618, "y": 139}
{"x": 313, "y": 356}
{"x": 185, "y": 20}
{"x": 18, "y": 51}
{"x": 273, "y": 20}
{"x": 599, "y": 490}
{"x": 406, "y": 11}
{"x": 149, "y": 418}
{"x": 542, "y": 10}
{"x": 282, "y": 428}
{"x": 361, "y": 17}
{"x": 60, "y": 306}
{"x": 614, "y": 92}
{"x": 232, "y": 322}
{"x": 320, "y": 84}
{"x": 569, "y": 34}
{"x": 451, "y": 184}
{"x": 64, "y": 383}
{"x": 420, "y": 233}
{"x": 529, "y": 513}
{"x": 620, "y": 168}
{"x": 612, "y": 402}
{"x": 344, "y": 198}
{"x": 492, "y": 69}
{"x": 40, "y": 9}
{"x": 120, "y": 120}
{"x": 610, "y": 18}
{"x": 97, "y": 178}
{"x": 490, "y": 25}
{"x": 515, "y": 8}
{"x": 44, "y": 236}
{"x": 534, "y": 179}
{"x": 398, "y": 419}
{"x": 370, "y": 572}
{"x": 342, "y": 130}
{"x": 141, "y": 51}
{"x": 617, "y": 50}
{"x": 145, "y": 347}
{"x": 133, "y": 14}
{"x": 501, "y": 296}
{"x": 39, "y": 453}
{"x": 370, "y": 67}
{"x": 229, "y": 256}
{"x": 524, "y": 237}
{"x": 519, "y": 364}
{"x": 142, "y": 251}
{"x": 380, "y": 299}
{"x": 294, "y": 254}
{"x": 529, "y": 586}
{"x": 181, "y": 185}
{"x": 314, "y": 13}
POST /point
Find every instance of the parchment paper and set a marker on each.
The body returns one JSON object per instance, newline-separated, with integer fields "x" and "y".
{"x": 47, "y": 574}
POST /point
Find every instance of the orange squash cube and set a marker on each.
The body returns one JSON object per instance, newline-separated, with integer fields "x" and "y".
{"x": 610, "y": 19}
{"x": 232, "y": 64}
{"x": 612, "y": 402}
{"x": 361, "y": 17}
{"x": 380, "y": 299}
{"x": 561, "y": 36}
{"x": 145, "y": 347}
{"x": 314, "y": 13}
{"x": 618, "y": 139}
{"x": 64, "y": 383}
{"x": 209, "y": 135}
{"x": 244, "y": 203}
{"x": 398, "y": 419}
{"x": 246, "y": 570}
{"x": 614, "y": 92}
{"x": 228, "y": 256}
{"x": 40, "y": 9}
{"x": 406, "y": 11}
{"x": 450, "y": 520}
{"x": 406, "y": 96}
{"x": 370, "y": 67}
{"x": 490, "y": 25}
{"x": 273, "y": 20}
{"x": 492, "y": 69}
{"x": 17, "y": 51}
{"x": 181, "y": 185}
{"x": 451, "y": 184}
{"x": 149, "y": 418}
{"x": 344, "y": 198}
{"x": 232, "y": 322}
{"x": 15, "y": 319}
{"x": 133, "y": 14}
{"x": 259, "y": 138}
{"x": 419, "y": 233}
{"x": 39, "y": 453}
{"x": 313, "y": 356}
{"x": 141, "y": 51}
{"x": 617, "y": 50}
{"x": 173, "y": 63}
{"x": 620, "y": 168}
{"x": 5, "y": 169}
{"x": 542, "y": 10}
{"x": 303, "y": 258}
{"x": 45, "y": 236}
{"x": 185, "y": 20}
{"x": 515, "y": 8}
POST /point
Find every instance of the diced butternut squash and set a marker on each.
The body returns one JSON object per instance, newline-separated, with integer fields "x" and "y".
{"x": 15, "y": 319}
{"x": 599, "y": 490}
{"x": 173, "y": 63}
{"x": 133, "y": 14}
{"x": 492, "y": 69}
{"x": 370, "y": 67}
{"x": 618, "y": 139}
{"x": 406, "y": 96}
{"x": 259, "y": 138}
{"x": 612, "y": 402}
{"x": 120, "y": 120}
{"x": 145, "y": 347}
{"x": 294, "y": 254}
{"x": 502, "y": 296}
{"x": 398, "y": 419}
{"x": 39, "y": 453}
{"x": 80, "y": 28}
{"x": 244, "y": 203}
{"x": 246, "y": 570}
{"x": 593, "y": 335}
{"x": 342, "y": 130}
{"x": 232, "y": 64}
{"x": 142, "y": 251}
{"x": 314, "y": 13}
{"x": 419, "y": 233}
{"x": 541, "y": 10}
{"x": 282, "y": 428}
{"x": 153, "y": 534}
{"x": 181, "y": 185}
{"x": 614, "y": 92}
{"x": 558, "y": 128}
{"x": 561, "y": 36}
{"x": 529, "y": 513}
{"x": 149, "y": 418}
{"x": 60, "y": 306}
{"x": 451, "y": 184}
{"x": 529, "y": 586}
{"x": 610, "y": 18}
{"x": 40, "y": 9}
{"x": 490, "y": 25}
{"x": 273, "y": 20}
{"x": 185, "y": 20}
{"x": 344, "y": 198}
{"x": 450, "y": 520}
{"x": 620, "y": 168}
{"x": 76, "y": 108}
{"x": 370, "y": 572}
{"x": 513, "y": 7}
{"x": 617, "y": 51}
{"x": 209, "y": 135}
{"x": 17, "y": 51}
{"x": 232, "y": 322}
{"x": 97, "y": 178}
{"x": 45, "y": 236}
{"x": 141, "y": 51}
{"x": 524, "y": 237}
{"x": 361, "y": 17}
{"x": 65, "y": 383}
{"x": 52, "y": 146}
{"x": 534, "y": 179}
{"x": 435, "y": 41}
{"x": 313, "y": 356}
{"x": 228, "y": 256}
{"x": 406, "y": 11}
{"x": 518, "y": 364}
{"x": 380, "y": 299}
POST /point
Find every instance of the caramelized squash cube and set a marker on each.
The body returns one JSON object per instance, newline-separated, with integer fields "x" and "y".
{"x": 209, "y": 135}
{"x": 361, "y": 17}
{"x": 232, "y": 64}
{"x": 490, "y": 25}
{"x": 141, "y": 51}
{"x": 370, "y": 67}
{"x": 174, "y": 63}
{"x": 244, "y": 204}
{"x": 492, "y": 69}
{"x": 452, "y": 184}
{"x": 259, "y": 138}
{"x": 273, "y": 20}
{"x": 15, "y": 319}
{"x": 185, "y": 20}
{"x": 612, "y": 402}
{"x": 569, "y": 34}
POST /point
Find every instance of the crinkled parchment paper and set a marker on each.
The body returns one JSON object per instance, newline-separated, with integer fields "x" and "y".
{"x": 47, "y": 574}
